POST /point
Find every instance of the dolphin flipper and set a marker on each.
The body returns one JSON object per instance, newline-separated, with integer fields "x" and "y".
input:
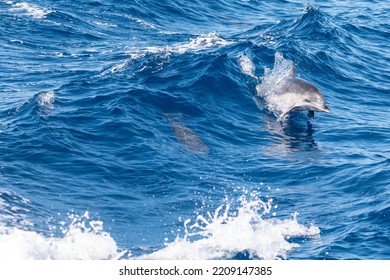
{"x": 310, "y": 113}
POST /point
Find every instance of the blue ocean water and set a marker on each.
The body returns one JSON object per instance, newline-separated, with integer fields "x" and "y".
{"x": 134, "y": 129}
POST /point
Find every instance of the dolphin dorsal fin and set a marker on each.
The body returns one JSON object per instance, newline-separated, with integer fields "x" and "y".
{"x": 291, "y": 72}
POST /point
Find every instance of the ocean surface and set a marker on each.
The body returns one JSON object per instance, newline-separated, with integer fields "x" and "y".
{"x": 136, "y": 130}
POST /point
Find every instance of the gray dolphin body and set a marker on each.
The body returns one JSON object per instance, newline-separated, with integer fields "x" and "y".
{"x": 298, "y": 95}
{"x": 187, "y": 137}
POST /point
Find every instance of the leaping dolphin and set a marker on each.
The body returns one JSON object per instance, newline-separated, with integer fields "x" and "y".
{"x": 282, "y": 91}
{"x": 296, "y": 94}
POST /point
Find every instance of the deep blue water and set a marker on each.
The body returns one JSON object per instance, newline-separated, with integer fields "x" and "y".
{"x": 130, "y": 129}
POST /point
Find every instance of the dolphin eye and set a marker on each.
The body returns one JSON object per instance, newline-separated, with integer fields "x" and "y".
{"x": 307, "y": 100}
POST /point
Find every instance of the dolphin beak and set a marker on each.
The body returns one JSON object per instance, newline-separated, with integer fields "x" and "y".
{"x": 325, "y": 109}
{"x": 321, "y": 107}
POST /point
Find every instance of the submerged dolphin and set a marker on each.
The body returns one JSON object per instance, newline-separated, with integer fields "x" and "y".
{"x": 187, "y": 137}
{"x": 296, "y": 94}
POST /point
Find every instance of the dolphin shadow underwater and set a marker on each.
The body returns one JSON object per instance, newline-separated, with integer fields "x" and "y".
{"x": 189, "y": 139}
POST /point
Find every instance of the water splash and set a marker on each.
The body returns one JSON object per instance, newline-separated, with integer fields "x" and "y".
{"x": 82, "y": 239}
{"x": 247, "y": 66}
{"x": 45, "y": 100}
{"x": 267, "y": 89}
{"x": 228, "y": 232}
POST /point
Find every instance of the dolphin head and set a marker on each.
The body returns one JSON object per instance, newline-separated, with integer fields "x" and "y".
{"x": 307, "y": 96}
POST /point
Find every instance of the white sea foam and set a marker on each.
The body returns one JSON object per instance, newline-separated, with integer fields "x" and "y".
{"x": 145, "y": 23}
{"x": 105, "y": 24}
{"x": 28, "y": 9}
{"x": 226, "y": 233}
{"x": 82, "y": 239}
{"x": 45, "y": 100}
{"x": 17, "y": 41}
{"x": 200, "y": 43}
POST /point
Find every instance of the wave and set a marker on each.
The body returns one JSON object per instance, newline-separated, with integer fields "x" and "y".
{"x": 41, "y": 104}
{"x": 200, "y": 43}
